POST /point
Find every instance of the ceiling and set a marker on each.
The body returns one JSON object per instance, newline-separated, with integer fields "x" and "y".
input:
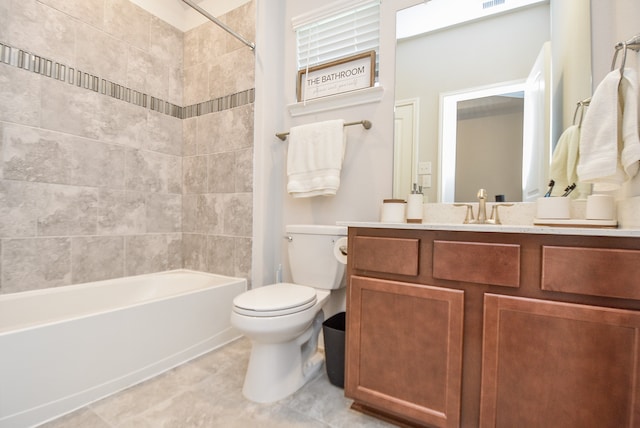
{"x": 182, "y": 16}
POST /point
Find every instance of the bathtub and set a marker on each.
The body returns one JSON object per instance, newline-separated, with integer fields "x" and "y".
{"x": 64, "y": 347}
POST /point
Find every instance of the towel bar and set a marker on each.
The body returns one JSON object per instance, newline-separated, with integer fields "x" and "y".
{"x": 633, "y": 44}
{"x": 365, "y": 123}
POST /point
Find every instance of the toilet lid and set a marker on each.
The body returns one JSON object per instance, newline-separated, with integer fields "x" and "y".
{"x": 274, "y": 300}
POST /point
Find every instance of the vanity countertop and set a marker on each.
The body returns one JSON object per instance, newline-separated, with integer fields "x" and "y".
{"x": 548, "y": 230}
{"x": 517, "y": 218}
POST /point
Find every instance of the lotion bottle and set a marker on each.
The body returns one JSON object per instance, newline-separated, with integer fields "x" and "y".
{"x": 414, "y": 205}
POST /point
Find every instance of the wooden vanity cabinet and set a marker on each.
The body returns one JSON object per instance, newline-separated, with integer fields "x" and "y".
{"x": 476, "y": 329}
{"x": 556, "y": 364}
{"x": 405, "y": 352}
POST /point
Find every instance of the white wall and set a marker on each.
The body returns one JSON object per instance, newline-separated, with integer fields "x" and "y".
{"x": 571, "y": 60}
{"x": 367, "y": 169}
{"x": 612, "y": 22}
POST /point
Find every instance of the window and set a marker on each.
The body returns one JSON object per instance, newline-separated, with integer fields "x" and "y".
{"x": 339, "y": 34}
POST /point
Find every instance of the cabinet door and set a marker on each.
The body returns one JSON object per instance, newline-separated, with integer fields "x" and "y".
{"x": 553, "y": 364}
{"x": 404, "y": 349}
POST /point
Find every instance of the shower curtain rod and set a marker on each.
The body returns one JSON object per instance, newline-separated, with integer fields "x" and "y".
{"x": 220, "y": 24}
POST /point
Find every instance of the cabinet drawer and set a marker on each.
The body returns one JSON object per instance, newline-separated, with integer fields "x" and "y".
{"x": 386, "y": 255}
{"x": 607, "y": 272}
{"x": 482, "y": 263}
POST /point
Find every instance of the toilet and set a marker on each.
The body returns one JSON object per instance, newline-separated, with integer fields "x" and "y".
{"x": 283, "y": 321}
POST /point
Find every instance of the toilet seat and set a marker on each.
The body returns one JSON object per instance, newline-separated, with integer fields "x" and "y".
{"x": 275, "y": 300}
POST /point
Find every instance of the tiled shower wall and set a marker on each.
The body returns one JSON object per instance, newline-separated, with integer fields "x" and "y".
{"x": 218, "y": 148}
{"x": 91, "y": 181}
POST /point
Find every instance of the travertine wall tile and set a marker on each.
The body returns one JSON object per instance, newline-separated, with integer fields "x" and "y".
{"x": 242, "y": 20}
{"x": 121, "y": 212}
{"x": 210, "y": 133}
{"x": 221, "y": 167}
{"x": 147, "y": 73}
{"x": 108, "y": 62}
{"x": 164, "y": 212}
{"x": 93, "y": 187}
{"x": 221, "y": 254}
{"x": 1, "y": 151}
{"x": 4, "y": 20}
{"x": 190, "y": 49}
{"x": 36, "y": 155}
{"x": 97, "y": 258}
{"x": 244, "y": 171}
{"x": 242, "y": 263}
{"x": 189, "y": 136}
{"x": 203, "y": 213}
{"x": 224, "y": 77}
{"x": 122, "y": 123}
{"x": 19, "y": 96}
{"x": 35, "y": 263}
{"x": 88, "y": 11}
{"x": 152, "y": 172}
{"x": 238, "y": 214}
{"x": 67, "y": 210}
{"x": 189, "y": 213}
{"x": 194, "y": 174}
{"x": 166, "y": 42}
{"x": 81, "y": 112}
{"x": 194, "y": 251}
{"x": 19, "y": 202}
{"x": 196, "y": 84}
{"x": 175, "y": 89}
{"x": 152, "y": 253}
{"x": 211, "y": 212}
{"x": 127, "y": 21}
{"x": 212, "y": 42}
{"x": 164, "y": 134}
{"x": 41, "y": 29}
{"x": 226, "y": 130}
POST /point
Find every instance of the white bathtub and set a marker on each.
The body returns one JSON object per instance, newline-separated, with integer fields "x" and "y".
{"x": 65, "y": 347}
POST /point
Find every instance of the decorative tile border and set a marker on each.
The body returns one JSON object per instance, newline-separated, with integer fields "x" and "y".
{"x": 36, "y": 64}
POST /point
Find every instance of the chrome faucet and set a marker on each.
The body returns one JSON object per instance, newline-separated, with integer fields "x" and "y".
{"x": 482, "y": 210}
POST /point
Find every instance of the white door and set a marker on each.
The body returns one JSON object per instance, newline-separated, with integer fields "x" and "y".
{"x": 405, "y": 147}
{"x": 536, "y": 138}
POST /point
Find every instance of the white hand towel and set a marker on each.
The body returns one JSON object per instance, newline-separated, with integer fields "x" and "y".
{"x": 314, "y": 159}
{"x": 609, "y": 144}
{"x": 629, "y": 92}
{"x": 599, "y": 154}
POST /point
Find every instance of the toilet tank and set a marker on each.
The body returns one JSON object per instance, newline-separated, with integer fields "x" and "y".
{"x": 311, "y": 257}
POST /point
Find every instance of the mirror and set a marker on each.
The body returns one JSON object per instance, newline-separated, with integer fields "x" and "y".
{"x": 483, "y": 53}
{"x": 481, "y": 135}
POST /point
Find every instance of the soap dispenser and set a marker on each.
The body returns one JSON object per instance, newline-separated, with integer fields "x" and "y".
{"x": 414, "y": 205}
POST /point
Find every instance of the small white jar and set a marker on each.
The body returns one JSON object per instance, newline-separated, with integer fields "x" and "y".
{"x": 393, "y": 211}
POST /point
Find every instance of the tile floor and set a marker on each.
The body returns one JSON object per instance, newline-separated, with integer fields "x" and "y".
{"x": 207, "y": 392}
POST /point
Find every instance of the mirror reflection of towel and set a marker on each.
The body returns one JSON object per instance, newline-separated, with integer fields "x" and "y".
{"x": 314, "y": 158}
{"x": 565, "y": 160}
{"x": 609, "y": 144}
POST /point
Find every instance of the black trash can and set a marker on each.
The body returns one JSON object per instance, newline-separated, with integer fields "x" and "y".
{"x": 333, "y": 330}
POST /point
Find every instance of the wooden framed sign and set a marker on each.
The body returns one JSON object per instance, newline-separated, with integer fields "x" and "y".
{"x": 335, "y": 77}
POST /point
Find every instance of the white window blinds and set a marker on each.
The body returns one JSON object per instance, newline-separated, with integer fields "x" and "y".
{"x": 343, "y": 34}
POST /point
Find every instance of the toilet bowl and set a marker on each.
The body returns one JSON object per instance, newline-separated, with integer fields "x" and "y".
{"x": 283, "y": 320}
